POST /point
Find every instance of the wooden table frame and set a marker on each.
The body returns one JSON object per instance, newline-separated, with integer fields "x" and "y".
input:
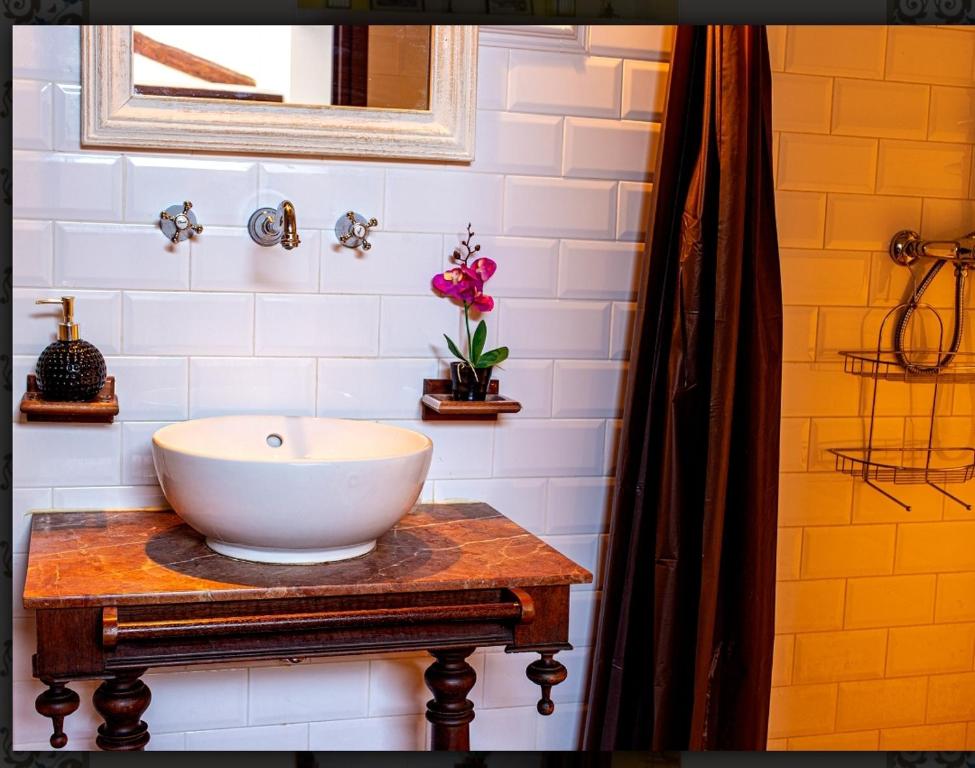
{"x": 117, "y": 638}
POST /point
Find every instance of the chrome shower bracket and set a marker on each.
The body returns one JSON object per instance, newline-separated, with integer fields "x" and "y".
{"x": 903, "y": 247}
{"x": 906, "y": 247}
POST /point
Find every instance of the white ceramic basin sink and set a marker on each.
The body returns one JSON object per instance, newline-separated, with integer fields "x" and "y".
{"x": 290, "y": 489}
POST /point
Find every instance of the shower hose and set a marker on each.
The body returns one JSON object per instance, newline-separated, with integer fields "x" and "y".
{"x": 961, "y": 272}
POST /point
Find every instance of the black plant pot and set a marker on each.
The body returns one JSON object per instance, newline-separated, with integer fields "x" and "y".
{"x": 464, "y": 385}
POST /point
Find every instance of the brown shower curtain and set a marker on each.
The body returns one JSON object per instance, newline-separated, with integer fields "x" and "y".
{"x": 697, "y": 473}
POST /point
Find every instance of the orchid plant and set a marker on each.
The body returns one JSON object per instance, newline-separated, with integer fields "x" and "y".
{"x": 464, "y": 284}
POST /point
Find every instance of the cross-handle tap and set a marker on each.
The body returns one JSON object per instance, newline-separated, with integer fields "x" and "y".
{"x": 271, "y": 226}
{"x": 352, "y": 229}
{"x": 179, "y": 222}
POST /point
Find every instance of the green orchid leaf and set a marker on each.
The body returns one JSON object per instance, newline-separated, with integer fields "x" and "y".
{"x": 453, "y": 348}
{"x": 477, "y": 345}
{"x": 494, "y": 357}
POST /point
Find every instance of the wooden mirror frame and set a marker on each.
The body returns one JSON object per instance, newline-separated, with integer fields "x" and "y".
{"x": 113, "y": 115}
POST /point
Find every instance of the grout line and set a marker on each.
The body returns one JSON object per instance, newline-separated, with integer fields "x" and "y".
{"x": 188, "y": 384}
{"x": 247, "y": 697}
{"x": 832, "y": 105}
{"x": 883, "y": 55}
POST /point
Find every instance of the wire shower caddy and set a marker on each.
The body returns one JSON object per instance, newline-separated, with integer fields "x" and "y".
{"x": 926, "y": 464}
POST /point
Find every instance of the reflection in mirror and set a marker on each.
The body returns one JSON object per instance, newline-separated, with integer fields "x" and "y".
{"x": 380, "y": 67}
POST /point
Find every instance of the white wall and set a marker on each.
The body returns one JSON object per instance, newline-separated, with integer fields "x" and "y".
{"x": 559, "y": 190}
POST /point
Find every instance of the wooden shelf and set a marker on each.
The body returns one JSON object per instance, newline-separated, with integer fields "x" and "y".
{"x": 439, "y": 405}
{"x": 102, "y": 410}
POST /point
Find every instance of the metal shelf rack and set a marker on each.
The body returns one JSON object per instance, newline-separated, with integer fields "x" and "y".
{"x": 928, "y": 464}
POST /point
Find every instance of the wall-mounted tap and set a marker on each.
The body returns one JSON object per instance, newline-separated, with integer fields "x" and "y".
{"x": 352, "y": 229}
{"x": 906, "y": 247}
{"x": 178, "y": 222}
{"x": 270, "y": 226}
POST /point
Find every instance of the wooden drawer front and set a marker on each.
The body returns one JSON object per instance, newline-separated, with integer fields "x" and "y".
{"x": 182, "y": 634}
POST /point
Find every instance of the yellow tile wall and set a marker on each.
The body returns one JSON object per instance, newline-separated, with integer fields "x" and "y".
{"x": 875, "y": 607}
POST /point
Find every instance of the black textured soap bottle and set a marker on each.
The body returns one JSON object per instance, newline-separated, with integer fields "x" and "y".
{"x": 70, "y": 368}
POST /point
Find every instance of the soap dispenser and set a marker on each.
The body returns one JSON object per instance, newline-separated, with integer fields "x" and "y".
{"x": 70, "y": 368}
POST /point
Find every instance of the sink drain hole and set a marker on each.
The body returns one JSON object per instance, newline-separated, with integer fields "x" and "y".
{"x": 275, "y": 441}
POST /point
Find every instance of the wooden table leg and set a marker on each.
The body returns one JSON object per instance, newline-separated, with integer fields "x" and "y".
{"x": 546, "y": 672}
{"x": 57, "y": 702}
{"x": 121, "y": 700}
{"x": 450, "y": 678}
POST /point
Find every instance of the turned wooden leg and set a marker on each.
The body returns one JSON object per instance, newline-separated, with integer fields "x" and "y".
{"x": 546, "y": 672}
{"x": 450, "y": 678}
{"x": 121, "y": 700}
{"x": 57, "y": 702}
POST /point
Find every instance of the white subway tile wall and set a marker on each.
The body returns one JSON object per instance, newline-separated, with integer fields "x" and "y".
{"x": 644, "y": 90}
{"x": 221, "y": 262}
{"x": 222, "y": 386}
{"x": 560, "y": 207}
{"x": 564, "y": 84}
{"x": 321, "y": 192}
{"x": 219, "y": 325}
{"x": 67, "y": 117}
{"x": 102, "y": 321}
{"x": 599, "y": 269}
{"x": 32, "y": 125}
{"x": 69, "y": 186}
{"x": 33, "y": 252}
{"x": 224, "y": 191}
{"x": 875, "y": 615}
{"x": 117, "y": 256}
{"x": 508, "y": 142}
{"x": 633, "y": 211}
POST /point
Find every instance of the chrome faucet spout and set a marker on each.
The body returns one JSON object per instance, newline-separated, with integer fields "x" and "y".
{"x": 289, "y": 226}
{"x": 273, "y": 226}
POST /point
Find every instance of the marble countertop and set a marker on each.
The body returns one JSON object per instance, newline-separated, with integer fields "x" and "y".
{"x": 143, "y": 557}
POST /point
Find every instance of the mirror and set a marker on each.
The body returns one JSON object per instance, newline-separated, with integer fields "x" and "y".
{"x": 396, "y": 91}
{"x": 383, "y": 67}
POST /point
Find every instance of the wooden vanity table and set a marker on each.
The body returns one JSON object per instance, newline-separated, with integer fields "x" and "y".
{"x": 118, "y": 592}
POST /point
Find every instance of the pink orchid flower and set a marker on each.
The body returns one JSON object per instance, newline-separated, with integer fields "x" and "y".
{"x": 481, "y": 301}
{"x": 457, "y": 283}
{"x": 464, "y": 284}
{"x": 483, "y": 268}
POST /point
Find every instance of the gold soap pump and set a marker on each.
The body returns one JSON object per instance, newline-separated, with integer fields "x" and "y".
{"x": 70, "y": 368}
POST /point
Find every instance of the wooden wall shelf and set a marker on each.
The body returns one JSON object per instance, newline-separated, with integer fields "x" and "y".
{"x": 439, "y": 405}
{"x": 102, "y": 410}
